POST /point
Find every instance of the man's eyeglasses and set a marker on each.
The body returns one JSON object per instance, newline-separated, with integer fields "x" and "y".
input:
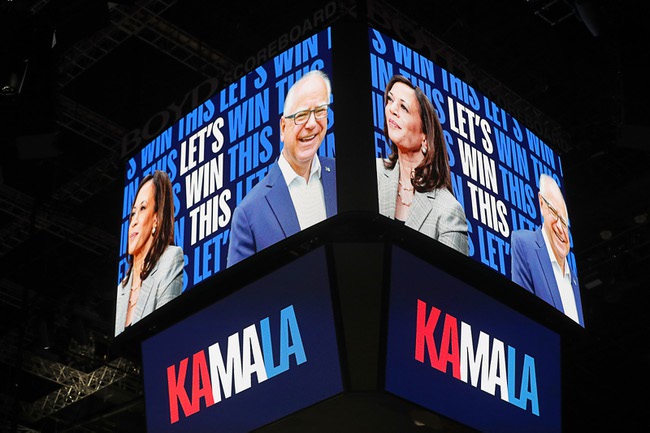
{"x": 301, "y": 117}
{"x": 555, "y": 213}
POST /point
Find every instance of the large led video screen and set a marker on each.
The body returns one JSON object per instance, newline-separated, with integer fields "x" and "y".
{"x": 453, "y": 349}
{"x": 264, "y": 352}
{"x": 240, "y": 172}
{"x": 456, "y": 167}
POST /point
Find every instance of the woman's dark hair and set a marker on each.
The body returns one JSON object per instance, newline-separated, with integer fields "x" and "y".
{"x": 164, "y": 209}
{"x": 433, "y": 172}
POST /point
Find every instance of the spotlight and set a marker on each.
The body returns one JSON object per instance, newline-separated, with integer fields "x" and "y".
{"x": 44, "y": 341}
{"x": 13, "y": 79}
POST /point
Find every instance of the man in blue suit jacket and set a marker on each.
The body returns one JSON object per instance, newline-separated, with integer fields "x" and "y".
{"x": 300, "y": 188}
{"x": 539, "y": 261}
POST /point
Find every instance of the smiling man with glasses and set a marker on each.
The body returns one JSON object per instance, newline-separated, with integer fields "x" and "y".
{"x": 300, "y": 188}
{"x": 539, "y": 258}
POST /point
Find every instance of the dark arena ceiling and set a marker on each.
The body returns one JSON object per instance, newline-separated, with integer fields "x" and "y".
{"x": 84, "y": 80}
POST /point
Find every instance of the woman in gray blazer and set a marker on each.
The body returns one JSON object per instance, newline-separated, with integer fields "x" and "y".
{"x": 414, "y": 182}
{"x": 155, "y": 274}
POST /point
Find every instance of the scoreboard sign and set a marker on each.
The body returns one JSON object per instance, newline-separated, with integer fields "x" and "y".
{"x": 261, "y": 353}
{"x": 460, "y": 353}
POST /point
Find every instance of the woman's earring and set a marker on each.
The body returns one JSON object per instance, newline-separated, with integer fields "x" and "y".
{"x": 424, "y": 148}
{"x": 153, "y": 231}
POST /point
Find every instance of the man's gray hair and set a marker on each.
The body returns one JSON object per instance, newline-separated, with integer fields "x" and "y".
{"x": 546, "y": 184}
{"x": 290, "y": 94}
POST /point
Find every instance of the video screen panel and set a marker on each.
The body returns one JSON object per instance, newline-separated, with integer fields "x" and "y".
{"x": 453, "y": 349}
{"x": 456, "y": 167}
{"x": 262, "y": 353}
{"x": 206, "y": 166}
